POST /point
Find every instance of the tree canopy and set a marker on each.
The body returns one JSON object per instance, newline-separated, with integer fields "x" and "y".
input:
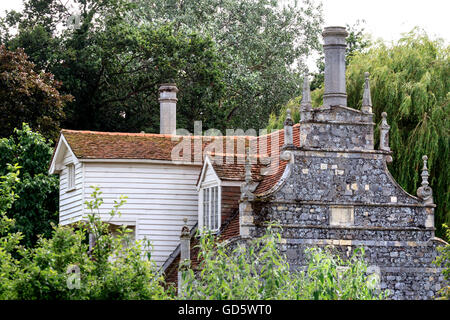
{"x": 113, "y": 67}
{"x": 27, "y": 94}
{"x": 226, "y": 57}
{"x": 264, "y": 44}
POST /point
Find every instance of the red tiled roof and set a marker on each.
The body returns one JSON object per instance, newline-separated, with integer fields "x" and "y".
{"x": 115, "y": 145}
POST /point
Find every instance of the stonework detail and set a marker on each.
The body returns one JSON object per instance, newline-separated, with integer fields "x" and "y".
{"x": 338, "y": 192}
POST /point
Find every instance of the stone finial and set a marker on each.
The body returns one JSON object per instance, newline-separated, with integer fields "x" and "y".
{"x": 306, "y": 94}
{"x": 185, "y": 253}
{"x": 248, "y": 186}
{"x": 306, "y": 104}
{"x": 248, "y": 166}
{"x": 384, "y": 133}
{"x": 185, "y": 229}
{"x": 367, "y": 100}
{"x": 288, "y": 130}
{"x": 425, "y": 192}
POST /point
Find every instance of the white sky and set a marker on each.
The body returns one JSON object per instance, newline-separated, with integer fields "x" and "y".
{"x": 387, "y": 19}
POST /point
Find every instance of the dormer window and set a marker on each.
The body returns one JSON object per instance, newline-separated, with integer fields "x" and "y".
{"x": 210, "y": 209}
{"x": 70, "y": 177}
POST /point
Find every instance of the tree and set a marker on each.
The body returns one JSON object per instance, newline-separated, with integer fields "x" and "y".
{"x": 113, "y": 67}
{"x": 37, "y": 205}
{"x": 409, "y": 81}
{"x": 27, "y": 95}
{"x": 263, "y": 43}
{"x": 227, "y": 57}
{"x": 8, "y": 241}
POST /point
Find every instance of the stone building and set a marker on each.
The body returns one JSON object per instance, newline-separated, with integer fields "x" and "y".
{"x": 332, "y": 188}
{"x": 322, "y": 179}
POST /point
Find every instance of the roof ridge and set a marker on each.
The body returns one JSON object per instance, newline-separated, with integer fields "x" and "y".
{"x": 159, "y": 134}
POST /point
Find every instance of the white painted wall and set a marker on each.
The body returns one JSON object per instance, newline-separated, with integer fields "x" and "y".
{"x": 159, "y": 197}
{"x": 70, "y": 202}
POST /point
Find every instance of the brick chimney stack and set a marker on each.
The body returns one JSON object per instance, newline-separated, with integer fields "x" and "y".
{"x": 334, "y": 48}
{"x": 168, "y": 108}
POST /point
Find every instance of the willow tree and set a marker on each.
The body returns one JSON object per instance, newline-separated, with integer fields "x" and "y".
{"x": 410, "y": 80}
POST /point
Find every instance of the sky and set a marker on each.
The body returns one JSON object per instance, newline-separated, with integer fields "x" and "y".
{"x": 388, "y": 19}
{"x": 385, "y": 19}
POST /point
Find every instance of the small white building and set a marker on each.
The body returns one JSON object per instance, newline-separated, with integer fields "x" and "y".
{"x": 161, "y": 189}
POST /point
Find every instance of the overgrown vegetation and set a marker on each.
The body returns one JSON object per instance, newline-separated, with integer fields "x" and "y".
{"x": 257, "y": 270}
{"x": 86, "y": 261}
{"x": 64, "y": 267}
{"x": 443, "y": 261}
{"x": 37, "y": 204}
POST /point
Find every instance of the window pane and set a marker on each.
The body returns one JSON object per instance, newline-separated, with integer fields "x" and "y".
{"x": 216, "y": 204}
{"x": 205, "y": 201}
{"x": 213, "y": 208}
{"x": 70, "y": 176}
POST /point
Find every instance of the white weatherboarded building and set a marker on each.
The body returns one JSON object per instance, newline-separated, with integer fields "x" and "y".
{"x": 161, "y": 191}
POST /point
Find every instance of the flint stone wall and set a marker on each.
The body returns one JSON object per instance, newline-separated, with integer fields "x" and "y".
{"x": 349, "y": 200}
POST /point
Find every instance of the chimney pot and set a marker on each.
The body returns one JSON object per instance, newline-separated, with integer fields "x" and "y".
{"x": 168, "y": 108}
{"x": 334, "y": 47}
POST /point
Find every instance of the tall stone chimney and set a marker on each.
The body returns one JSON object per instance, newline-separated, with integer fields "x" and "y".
{"x": 334, "y": 49}
{"x": 168, "y": 108}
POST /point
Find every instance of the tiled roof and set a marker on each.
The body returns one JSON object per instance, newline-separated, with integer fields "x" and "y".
{"x": 234, "y": 170}
{"x": 115, "y": 145}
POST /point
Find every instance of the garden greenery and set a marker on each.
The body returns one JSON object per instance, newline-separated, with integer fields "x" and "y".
{"x": 257, "y": 270}
{"x": 69, "y": 266}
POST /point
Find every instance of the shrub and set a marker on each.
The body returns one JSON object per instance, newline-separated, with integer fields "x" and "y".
{"x": 257, "y": 270}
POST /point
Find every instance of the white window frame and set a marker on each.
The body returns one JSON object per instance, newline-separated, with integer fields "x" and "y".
{"x": 212, "y": 191}
{"x": 71, "y": 177}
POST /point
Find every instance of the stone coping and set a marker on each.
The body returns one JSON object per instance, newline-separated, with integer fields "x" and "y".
{"x": 347, "y": 204}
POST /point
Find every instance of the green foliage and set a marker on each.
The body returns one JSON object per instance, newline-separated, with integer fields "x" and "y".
{"x": 8, "y": 241}
{"x": 28, "y": 95}
{"x": 263, "y": 44}
{"x": 443, "y": 261}
{"x": 409, "y": 81}
{"x": 331, "y": 278}
{"x": 113, "y": 67}
{"x": 37, "y": 205}
{"x": 257, "y": 270}
{"x": 113, "y": 268}
{"x": 227, "y": 57}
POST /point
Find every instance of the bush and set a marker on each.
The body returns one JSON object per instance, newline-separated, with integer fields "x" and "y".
{"x": 258, "y": 271}
{"x": 66, "y": 266}
{"x": 37, "y": 204}
{"x": 443, "y": 260}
